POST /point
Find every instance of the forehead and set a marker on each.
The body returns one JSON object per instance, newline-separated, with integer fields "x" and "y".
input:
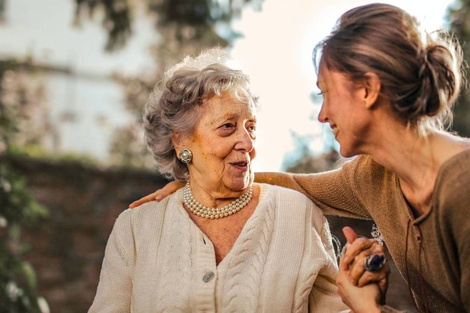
{"x": 225, "y": 106}
{"x": 332, "y": 79}
{"x": 324, "y": 74}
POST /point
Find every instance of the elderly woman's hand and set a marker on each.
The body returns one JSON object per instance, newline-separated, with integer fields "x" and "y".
{"x": 159, "y": 194}
{"x": 353, "y": 263}
{"x": 366, "y": 299}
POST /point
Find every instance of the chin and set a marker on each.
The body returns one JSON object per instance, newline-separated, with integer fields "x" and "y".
{"x": 346, "y": 153}
{"x": 240, "y": 185}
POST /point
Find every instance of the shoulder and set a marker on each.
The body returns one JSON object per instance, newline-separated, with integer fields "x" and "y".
{"x": 291, "y": 202}
{"x": 453, "y": 182}
{"x": 364, "y": 166}
{"x": 457, "y": 164}
{"x": 452, "y": 195}
{"x": 455, "y": 172}
{"x": 282, "y": 194}
{"x": 147, "y": 215}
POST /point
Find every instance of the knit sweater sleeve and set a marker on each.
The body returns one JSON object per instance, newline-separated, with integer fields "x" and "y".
{"x": 115, "y": 286}
{"x": 462, "y": 233}
{"x": 336, "y": 192}
{"x": 453, "y": 200}
{"x": 324, "y": 294}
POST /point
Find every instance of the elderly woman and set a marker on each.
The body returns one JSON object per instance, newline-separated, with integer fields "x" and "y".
{"x": 222, "y": 243}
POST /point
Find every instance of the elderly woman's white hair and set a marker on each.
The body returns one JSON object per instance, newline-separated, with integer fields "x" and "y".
{"x": 171, "y": 108}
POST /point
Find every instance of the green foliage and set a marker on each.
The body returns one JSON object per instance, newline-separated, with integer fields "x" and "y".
{"x": 182, "y": 15}
{"x": 116, "y": 19}
{"x": 38, "y": 152}
{"x": 17, "y": 206}
{"x": 17, "y": 278}
{"x": 24, "y": 118}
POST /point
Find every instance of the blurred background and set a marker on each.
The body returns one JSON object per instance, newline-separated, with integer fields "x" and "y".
{"x": 74, "y": 76}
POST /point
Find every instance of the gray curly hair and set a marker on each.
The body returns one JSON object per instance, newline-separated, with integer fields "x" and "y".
{"x": 171, "y": 108}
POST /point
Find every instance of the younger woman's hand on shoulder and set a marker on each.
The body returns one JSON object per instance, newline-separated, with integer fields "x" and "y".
{"x": 159, "y": 194}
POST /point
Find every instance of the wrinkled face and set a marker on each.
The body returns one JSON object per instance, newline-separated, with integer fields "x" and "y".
{"x": 344, "y": 110}
{"x": 223, "y": 145}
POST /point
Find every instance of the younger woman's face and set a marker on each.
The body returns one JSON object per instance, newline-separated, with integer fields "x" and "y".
{"x": 344, "y": 110}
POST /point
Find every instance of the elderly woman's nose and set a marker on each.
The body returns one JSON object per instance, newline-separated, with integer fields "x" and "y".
{"x": 246, "y": 140}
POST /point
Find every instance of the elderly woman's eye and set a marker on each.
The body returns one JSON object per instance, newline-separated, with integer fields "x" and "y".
{"x": 252, "y": 130}
{"x": 228, "y": 125}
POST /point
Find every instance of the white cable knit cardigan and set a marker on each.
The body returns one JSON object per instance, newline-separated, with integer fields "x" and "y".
{"x": 158, "y": 260}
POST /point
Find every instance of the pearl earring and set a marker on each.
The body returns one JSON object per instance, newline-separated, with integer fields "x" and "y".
{"x": 185, "y": 155}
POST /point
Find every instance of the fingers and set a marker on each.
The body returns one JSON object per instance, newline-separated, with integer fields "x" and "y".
{"x": 359, "y": 299}
{"x": 359, "y": 245}
{"x": 147, "y": 198}
{"x": 361, "y": 274}
{"x": 357, "y": 266}
{"x": 383, "y": 284}
{"x": 359, "y": 249}
{"x": 349, "y": 234}
{"x": 160, "y": 194}
{"x": 359, "y": 288}
{"x": 380, "y": 276}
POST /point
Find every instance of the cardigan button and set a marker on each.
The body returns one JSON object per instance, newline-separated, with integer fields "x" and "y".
{"x": 208, "y": 276}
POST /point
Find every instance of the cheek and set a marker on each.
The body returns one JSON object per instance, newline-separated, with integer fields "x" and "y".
{"x": 219, "y": 151}
{"x": 253, "y": 152}
{"x": 329, "y": 104}
{"x": 213, "y": 155}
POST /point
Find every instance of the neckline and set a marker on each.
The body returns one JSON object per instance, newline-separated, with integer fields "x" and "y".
{"x": 446, "y": 166}
{"x": 264, "y": 189}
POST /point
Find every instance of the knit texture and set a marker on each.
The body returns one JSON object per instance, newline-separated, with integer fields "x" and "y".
{"x": 431, "y": 251}
{"x": 158, "y": 260}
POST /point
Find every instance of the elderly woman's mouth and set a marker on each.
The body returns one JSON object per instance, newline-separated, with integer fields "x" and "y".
{"x": 240, "y": 165}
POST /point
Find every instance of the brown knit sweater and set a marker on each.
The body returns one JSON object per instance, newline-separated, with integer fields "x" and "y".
{"x": 432, "y": 251}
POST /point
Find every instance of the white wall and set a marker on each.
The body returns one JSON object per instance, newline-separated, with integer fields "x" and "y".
{"x": 44, "y": 30}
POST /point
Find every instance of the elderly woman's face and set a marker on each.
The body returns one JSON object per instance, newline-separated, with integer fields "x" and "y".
{"x": 223, "y": 145}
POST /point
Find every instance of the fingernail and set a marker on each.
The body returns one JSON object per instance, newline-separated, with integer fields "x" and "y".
{"x": 159, "y": 197}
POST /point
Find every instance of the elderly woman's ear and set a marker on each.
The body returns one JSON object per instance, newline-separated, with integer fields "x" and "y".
{"x": 176, "y": 140}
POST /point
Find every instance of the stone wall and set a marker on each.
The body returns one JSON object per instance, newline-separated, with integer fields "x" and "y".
{"x": 67, "y": 247}
{"x": 83, "y": 201}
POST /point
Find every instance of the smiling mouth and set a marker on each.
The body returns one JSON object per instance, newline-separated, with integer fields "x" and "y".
{"x": 240, "y": 165}
{"x": 334, "y": 129}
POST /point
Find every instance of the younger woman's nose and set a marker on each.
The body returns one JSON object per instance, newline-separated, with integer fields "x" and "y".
{"x": 322, "y": 117}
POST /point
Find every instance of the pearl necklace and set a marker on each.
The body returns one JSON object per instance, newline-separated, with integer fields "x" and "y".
{"x": 213, "y": 213}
